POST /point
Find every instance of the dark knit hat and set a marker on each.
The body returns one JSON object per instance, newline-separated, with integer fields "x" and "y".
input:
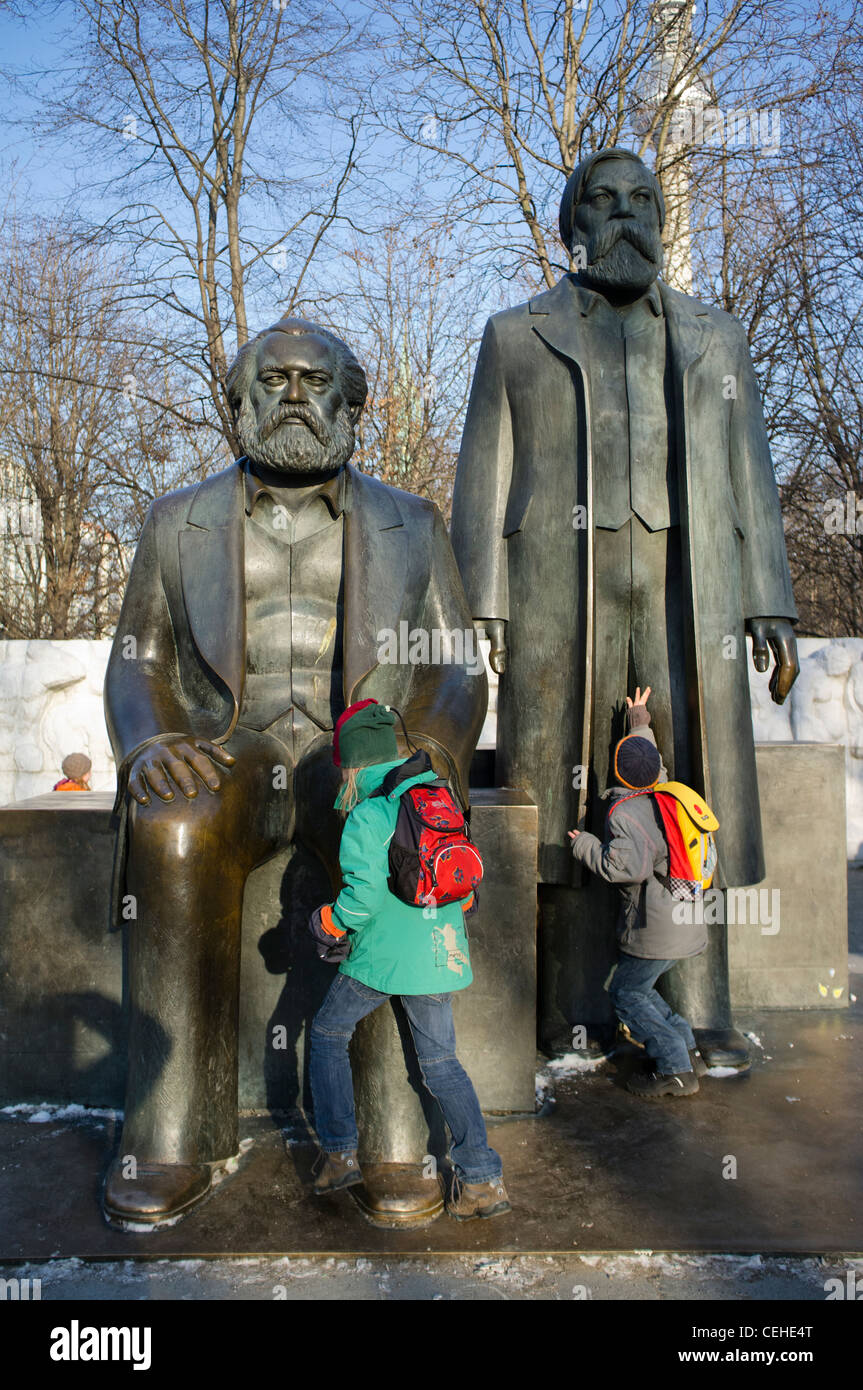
{"x": 76, "y": 766}
{"x": 637, "y": 763}
{"x": 365, "y": 734}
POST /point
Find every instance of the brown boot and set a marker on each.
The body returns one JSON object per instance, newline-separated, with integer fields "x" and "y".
{"x": 470, "y": 1199}
{"x": 335, "y": 1171}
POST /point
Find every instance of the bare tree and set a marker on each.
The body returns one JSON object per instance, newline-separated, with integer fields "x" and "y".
{"x": 817, "y": 320}
{"x": 220, "y": 121}
{"x": 214, "y": 117}
{"x": 782, "y": 251}
{"x": 504, "y": 98}
{"x": 411, "y": 319}
{"x": 750, "y": 114}
{"x": 85, "y": 440}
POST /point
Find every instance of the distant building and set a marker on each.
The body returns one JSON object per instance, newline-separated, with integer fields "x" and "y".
{"x": 22, "y": 559}
{"x": 673, "y": 77}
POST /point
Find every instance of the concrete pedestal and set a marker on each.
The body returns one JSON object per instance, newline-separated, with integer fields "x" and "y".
{"x": 61, "y": 971}
{"x": 803, "y": 965}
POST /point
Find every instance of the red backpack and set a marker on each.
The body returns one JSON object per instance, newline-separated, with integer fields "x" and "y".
{"x": 432, "y": 859}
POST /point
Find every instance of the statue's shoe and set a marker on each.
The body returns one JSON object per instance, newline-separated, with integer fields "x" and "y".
{"x": 398, "y": 1195}
{"x": 724, "y": 1047}
{"x": 158, "y": 1195}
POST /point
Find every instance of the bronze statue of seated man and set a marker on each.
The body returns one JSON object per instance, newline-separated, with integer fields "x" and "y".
{"x": 252, "y": 618}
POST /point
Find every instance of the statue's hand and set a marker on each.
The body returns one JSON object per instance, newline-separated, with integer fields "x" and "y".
{"x": 175, "y": 760}
{"x": 777, "y": 634}
{"x": 495, "y": 631}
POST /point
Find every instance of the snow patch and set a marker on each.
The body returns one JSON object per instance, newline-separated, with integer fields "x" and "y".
{"x": 572, "y": 1063}
{"x": 512, "y": 1272}
{"x": 44, "y": 1113}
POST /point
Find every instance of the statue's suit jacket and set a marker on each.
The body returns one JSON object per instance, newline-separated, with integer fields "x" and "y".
{"x": 523, "y": 537}
{"x": 184, "y": 669}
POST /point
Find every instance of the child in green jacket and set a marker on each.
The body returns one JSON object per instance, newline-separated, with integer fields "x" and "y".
{"x": 388, "y": 947}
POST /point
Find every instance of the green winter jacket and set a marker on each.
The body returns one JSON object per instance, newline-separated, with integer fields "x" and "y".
{"x": 396, "y": 948}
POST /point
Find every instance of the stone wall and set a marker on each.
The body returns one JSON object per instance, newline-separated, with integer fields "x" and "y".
{"x": 51, "y": 705}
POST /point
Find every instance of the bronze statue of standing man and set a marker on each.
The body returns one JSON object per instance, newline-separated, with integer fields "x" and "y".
{"x": 617, "y": 523}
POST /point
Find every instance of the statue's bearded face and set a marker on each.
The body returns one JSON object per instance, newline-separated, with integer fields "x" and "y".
{"x": 293, "y": 418}
{"x": 617, "y": 223}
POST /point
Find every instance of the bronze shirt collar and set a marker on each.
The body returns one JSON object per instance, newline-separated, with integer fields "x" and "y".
{"x": 589, "y": 299}
{"x": 333, "y": 491}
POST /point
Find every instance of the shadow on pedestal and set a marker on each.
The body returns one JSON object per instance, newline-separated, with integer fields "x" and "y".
{"x": 62, "y": 1024}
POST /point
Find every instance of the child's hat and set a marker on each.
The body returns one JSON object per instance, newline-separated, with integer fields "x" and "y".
{"x": 76, "y": 766}
{"x": 365, "y": 734}
{"x": 637, "y": 763}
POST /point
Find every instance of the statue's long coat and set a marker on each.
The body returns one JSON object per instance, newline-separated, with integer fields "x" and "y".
{"x": 523, "y": 536}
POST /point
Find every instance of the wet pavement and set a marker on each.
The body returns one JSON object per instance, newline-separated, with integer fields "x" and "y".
{"x": 768, "y": 1162}
{"x": 756, "y": 1181}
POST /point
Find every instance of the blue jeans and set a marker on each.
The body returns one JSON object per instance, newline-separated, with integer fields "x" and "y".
{"x": 431, "y": 1024}
{"x": 666, "y": 1036}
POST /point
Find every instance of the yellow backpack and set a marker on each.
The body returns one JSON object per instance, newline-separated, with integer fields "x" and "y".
{"x": 689, "y": 824}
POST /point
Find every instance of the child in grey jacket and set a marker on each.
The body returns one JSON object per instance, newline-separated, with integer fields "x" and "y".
{"x": 634, "y": 857}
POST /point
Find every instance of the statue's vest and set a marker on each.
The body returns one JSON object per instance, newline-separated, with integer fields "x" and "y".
{"x": 293, "y": 622}
{"x": 634, "y": 470}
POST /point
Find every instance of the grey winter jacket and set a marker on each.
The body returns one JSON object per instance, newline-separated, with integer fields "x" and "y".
{"x": 633, "y": 852}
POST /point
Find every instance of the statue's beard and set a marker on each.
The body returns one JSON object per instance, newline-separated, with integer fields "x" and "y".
{"x": 622, "y": 256}
{"x": 306, "y": 448}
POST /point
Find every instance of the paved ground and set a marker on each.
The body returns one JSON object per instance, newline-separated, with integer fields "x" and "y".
{"x": 485, "y": 1278}
{"x": 766, "y": 1165}
{"x": 768, "y": 1162}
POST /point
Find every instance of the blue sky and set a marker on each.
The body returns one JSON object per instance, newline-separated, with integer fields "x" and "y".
{"x": 26, "y": 49}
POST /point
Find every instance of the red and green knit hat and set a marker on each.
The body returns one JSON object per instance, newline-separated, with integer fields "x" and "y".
{"x": 365, "y": 734}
